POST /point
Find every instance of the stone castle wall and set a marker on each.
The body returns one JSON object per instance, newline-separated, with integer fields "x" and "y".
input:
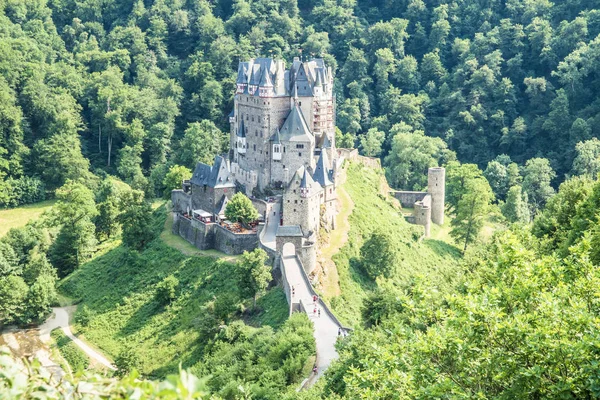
{"x": 407, "y": 199}
{"x": 182, "y": 202}
{"x": 213, "y": 236}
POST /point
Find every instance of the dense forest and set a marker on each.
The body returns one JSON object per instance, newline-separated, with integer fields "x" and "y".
{"x": 126, "y": 87}
{"x": 106, "y": 105}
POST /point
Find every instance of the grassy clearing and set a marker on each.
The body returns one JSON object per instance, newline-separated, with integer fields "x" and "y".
{"x": 119, "y": 286}
{"x": 431, "y": 259}
{"x": 20, "y": 216}
{"x": 73, "y": 355}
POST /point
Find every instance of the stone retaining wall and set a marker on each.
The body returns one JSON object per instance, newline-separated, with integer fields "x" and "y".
{"x": 213, "y": 236}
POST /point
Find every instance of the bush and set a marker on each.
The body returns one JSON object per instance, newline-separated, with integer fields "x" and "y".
{"x": 84, "y": 315}
{"x": 378, "y": 255}
{"x": 166, "y": 290}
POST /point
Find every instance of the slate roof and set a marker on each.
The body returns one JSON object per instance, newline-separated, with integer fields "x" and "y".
{"x": 275, "y": 138}
{"x": 306, "y": 181}
{"x": 322, "y": 173}
{"x": 289, "y": 230}
{"x": 217, "y": 176}
{"x": 265, "y": 80}
{"x": 295, "y": 128}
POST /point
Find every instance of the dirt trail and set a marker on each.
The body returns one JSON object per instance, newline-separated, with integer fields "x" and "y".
{"x": 35, "y": 342}
{"x": 61, "y": 319}
{"x": 330, "y": 281}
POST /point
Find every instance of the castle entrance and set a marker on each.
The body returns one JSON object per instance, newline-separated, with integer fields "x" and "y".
{"x": 289, "y": 250}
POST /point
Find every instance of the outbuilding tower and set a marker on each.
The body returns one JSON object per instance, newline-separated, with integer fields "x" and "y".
{"x": 436, "y": 185}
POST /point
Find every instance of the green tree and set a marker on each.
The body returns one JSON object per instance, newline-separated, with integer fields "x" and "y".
{"x": 587, "y": 161}
{"x": 411, "y": 155}
{"x": 174, "y": 178}
{"x": 537, "y": 176}
{"x": 254, "y": 273}
{"x": 516, "y": 207}
{"x": 13, "y": 297}
{"x": 201, "y": 142}
{"x": 371, "y": 142}
{"x": 107, "y": 202}
{"x": 471, "y": 210}
{"x": 136, "y": 220}
{"x": 76, "y": 240}
{"x": 240, "y": 209}
{"x": 378, "y": 255}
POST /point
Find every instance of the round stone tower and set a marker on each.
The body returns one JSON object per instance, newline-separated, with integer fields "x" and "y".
{"x": 422, "y": 214}
{"x": 436, "y": 184}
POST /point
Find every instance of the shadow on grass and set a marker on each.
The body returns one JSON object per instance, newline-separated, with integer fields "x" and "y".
{"x": 443, "y": 249}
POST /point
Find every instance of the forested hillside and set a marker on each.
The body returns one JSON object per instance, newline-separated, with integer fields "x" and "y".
{"x": 128, "y": 87}
{"x": 106, "y": 105}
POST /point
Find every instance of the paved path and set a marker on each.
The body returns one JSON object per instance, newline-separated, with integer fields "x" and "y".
{"x": 270, "y": 231}
{"x": 325, "y": 328}
{"x": 60, "y": 319}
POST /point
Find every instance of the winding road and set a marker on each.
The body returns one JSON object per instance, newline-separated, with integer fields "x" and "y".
{"x": 325, "y": 327}
{"x": 61, "y": 319}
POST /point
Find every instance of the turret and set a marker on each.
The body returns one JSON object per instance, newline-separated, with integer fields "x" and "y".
{"x": 436, "y": 184}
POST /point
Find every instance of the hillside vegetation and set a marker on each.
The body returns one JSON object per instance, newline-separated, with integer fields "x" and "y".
{"x": 374, "y": 210}
{"x": 202, "y": 328}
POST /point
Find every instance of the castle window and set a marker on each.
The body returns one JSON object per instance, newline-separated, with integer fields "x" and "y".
{"x": 254, "y": 147}
{"x": 294, "y": 210}
{"x": 300, "y": 103}
{"x": 295, "y": 201}
{"x": 284, "y": 149}
{"x": 253, "y": 118}
{"x": 299, "y": 146}
{"x": 246, "y": 117}
{"x": 294, "y": 191}
{"x": 256, "y": 133}
{"x": 299, "y": 154}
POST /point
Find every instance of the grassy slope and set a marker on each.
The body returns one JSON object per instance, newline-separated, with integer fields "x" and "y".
{"x": 119, "y": 287}
{"x": 431, "y": 259}
{"x": 17, "y": 217}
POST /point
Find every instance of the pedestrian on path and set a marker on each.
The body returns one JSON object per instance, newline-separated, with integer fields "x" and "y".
{"x": 314, "y": 298}
{"x": 293, "y": 291}
{"x": 315, "y": 369}
{"x": 315, "y": 310}
{"x": 319, "y": 311}
{"x": 339, "y": 331}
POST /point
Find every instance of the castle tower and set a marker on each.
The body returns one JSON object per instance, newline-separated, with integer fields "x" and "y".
{"x": 436, "y": 185}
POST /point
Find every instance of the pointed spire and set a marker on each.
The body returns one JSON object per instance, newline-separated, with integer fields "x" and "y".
{"x": 321, "y": 174}
{"x": 275, "y": 137}
{"x": 265, "y": 80}
{"x": 318, "y": 82}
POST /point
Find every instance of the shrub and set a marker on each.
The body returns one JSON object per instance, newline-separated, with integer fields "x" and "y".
{"x": 166, "y": 290}
{"x": 378, "y": 255}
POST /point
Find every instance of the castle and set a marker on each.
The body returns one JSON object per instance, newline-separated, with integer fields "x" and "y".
{"x": 282, "y": 138}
